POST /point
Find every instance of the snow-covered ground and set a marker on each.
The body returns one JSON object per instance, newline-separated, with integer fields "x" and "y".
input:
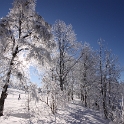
{"x": 16, "y": 112}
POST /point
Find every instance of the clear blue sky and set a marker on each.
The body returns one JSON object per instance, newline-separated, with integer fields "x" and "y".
{"x": 91, "y": 19}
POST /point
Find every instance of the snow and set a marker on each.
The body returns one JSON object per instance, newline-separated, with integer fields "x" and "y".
{"x": 16, "y": 112}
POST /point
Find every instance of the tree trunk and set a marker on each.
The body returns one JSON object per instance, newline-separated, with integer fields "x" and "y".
{"x": 47, "y": 100}
{"x": 61, "y": 83}
{"x": 72, "y": 91}
{"x": 2, "y": 99}
{"x": 4, "y": 94}
{"x": 85, "y": 98}
{"x": 72, "y": 96}
{"x": 104, "y": 102}
{"x": 109, "y": 88}
{"x": 105, "y": 109}
{"x": 82, "y": 96}
{"x": 4, "y": 91}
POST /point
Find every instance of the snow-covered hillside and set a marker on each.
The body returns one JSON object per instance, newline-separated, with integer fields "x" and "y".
{"x": 16, "y": 112}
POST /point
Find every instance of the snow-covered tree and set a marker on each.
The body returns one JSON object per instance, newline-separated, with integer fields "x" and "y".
{"x": 108, "y": 73}
{"x": 24, "y": 37}
{"x": 65, "y": 39}
{"x": 87, "y": 72}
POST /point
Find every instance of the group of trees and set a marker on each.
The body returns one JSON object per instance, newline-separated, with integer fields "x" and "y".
{"x": 78, "y": 70}
{"x": 75, "y": 69}
{"x": 93, "y": 77}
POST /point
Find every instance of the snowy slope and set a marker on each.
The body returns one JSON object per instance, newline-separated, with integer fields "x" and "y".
{"x": 16, "y": 112}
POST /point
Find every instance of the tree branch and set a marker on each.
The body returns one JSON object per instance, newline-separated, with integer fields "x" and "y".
{"x": 27, "y": 35}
